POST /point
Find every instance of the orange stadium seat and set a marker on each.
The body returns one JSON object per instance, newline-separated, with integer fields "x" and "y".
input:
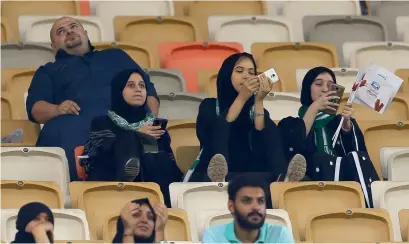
{"x": 184, "y": 142}
{"x": 286, "y": 58}
{"x": 404, "y": 223}
{"x": 155, "y": 30}
{"x": 191, "y": 57}
{"x": 30, "y": 129}
{"x": 16, "y": 193}
{"x": 88, "y": 196}
{"x": 82, "y": 174}
{"x": 315, "y": 197}
{"x": 404, "y": 74}
{"x": 350, "y": 225}
{"x": 140, "y": 54}
{"x": 379, "y": 134}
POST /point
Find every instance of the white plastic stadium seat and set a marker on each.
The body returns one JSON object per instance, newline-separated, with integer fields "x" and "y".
{"x": 402, "y": 27}
{"x": 345, "y": 77}
{"x": 256, "y": 28}
{"x": 398, "y": 166}
{"x": 198, "y": 197}
{"x": 37, "y": 28}
{"x": 392, "y": 196}
{"x": 385, "y": 154}
{"x": 25, "y": 55}
{"x": 69, "y": 224}
{"x": 282, "y": 104}
{"x": 390, "y": 55}
{"x": 36, "y": 163}
{"x": 167, "y": 80}
{"x": 179, "y": 106}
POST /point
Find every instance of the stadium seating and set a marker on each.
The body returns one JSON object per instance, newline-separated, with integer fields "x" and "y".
{"x": 34, "y": 28}
{"x": 404, "y": 74}
{"x": 351, "y": 225}
{"x": 70, "y": 224}
{"x": 184, "y": 142}
{"x": 281, "y": 105}
{"x": 348, "y": 29}
{"x": 392, "y": 196}
{"x": 315, "y": 197}
{"x": 36, "y": 164}
{"x": 167, "y": 81}
{"x": 386, "y": 158}
{"x": 30, "y": 130}
{"x": 207, "y": 81}
{"x": 190, "y": 57}
{"x": 6, "y": 106}
{"x": 102, "y": 199}
{"x": 398, "y": 166}
{"x": 16, "y": 193}
{"x": 402, "y": 23}
{"x": 8, "y": 33}
{"x": 388, "y": 11}
{"x": 179, "y": 106}
{"x": 404, "y": 223}
{"x": 140, "y": 54}
{"x": 392, "y": 134}
{"x": 345, "y": 77}
{"x": 25, "y": 55}
{"x": 257, "y": 28}
{"x": 286, "y": 58}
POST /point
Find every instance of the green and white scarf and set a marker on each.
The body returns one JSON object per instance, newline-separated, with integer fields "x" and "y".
{"x": 321, "y": 135}
{"x": 123, "y": 124}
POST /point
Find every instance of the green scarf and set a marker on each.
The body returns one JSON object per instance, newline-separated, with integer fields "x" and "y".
{"x": 321, "y": 134}
{"x": 123, "y": 124}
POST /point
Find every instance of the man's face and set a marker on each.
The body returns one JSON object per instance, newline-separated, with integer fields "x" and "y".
{"x": 249, "y": 208}
{"x": 68, "y": 34}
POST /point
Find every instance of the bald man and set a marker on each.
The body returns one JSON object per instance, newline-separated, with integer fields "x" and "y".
{"x": 67, "y": 94}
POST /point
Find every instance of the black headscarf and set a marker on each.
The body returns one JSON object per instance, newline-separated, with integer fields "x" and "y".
{"x": 26, "y": 214}
{"x": 131, "y": 114}
{"x": 309, "y": 78}
{"x": 120, "y": 226}
{"x": 226, "y": 94}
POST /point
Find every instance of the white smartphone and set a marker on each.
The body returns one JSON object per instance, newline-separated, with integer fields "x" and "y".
{"x": 272, "y": 75}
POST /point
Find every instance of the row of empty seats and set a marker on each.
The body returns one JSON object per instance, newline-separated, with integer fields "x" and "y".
{"x": 327, "y": 207}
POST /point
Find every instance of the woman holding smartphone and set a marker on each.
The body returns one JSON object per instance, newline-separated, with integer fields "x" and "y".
{"x": 311, "y": 135}
{"x": 236, "y": 133}
{"x": 117, "y": 142}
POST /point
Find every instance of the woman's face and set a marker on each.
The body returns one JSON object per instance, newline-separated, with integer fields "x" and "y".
{"x": 134, "y": 92}
{"x": 321, "y": 85}
{"x": 144, "y": 222}
{"x": 242, "y": 71}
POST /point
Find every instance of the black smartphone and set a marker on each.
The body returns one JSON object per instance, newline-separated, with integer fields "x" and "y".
{"x": 163, "y": 123}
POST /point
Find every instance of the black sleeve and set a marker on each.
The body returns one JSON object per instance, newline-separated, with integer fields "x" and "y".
{"x": 353, "y": 140}
{"x": 164, "y": 145}
{"x": 41, "y": 89}
{"x": 293, "y": 134}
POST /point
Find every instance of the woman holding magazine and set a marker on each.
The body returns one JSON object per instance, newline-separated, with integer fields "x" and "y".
{"x": 311, "y": 135}
{"x": 236, "y": 133}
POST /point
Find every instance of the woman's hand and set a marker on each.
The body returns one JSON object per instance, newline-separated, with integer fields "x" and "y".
{"x": 248, "y": 88}
{"x": 266, "y": 85}
{"x": 37, "y": 227}
{"x": 161, "y": 212}
{"x": 149, "y": 129}
{"x": 323, "y": 103}
{"x": 127, "y": 217}
{"x": 347, "y": 114}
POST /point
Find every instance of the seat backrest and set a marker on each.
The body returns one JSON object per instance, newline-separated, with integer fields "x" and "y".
{"x": 257, "y": 28}
{"x": 167, "y": 80}
{"x": 388, "y": 11}
{"x": 296, "y": 10}
{"x": 385, "y": 154}
{"x": 281, "y": 105}
{"x": 209, "y": 218}
{"x": 25, "y": 55}
{"x": 16, "y": 193}
{"x": 392, "y": 134}
{"x": 186, "y": 156}
{"x": 9, "y": 32}
{"x": 404, "y": 223}
{"x": 88, "y": 196}
{"x": 152, "y": 30}
{"x": 349, "y": 29}
{"x": 36, "y": 164}
{"x": 345, "y": 77}
{"x": 389, "y": 55}
{"x": 398, "y": 166}
{"x": 191, "y": 57}
{"x": 140, "y": 54}
{"x": 70, "y": 224}
{"x": 107, "y": 10}
{"x": 36, "y": 28}
{"x": 30, "y": 130}
{"x": 179, "y": 106}
{"x": 402, "y": 23}
{"x": 315, "y": 196}
{"x": 404, "y": 74}
{"x": 392, "y": 196}
{"x": 351, "y": 225}
{"x": 207, "y": 81}
{"x": 6, "y": 106}
{"x": 197, "y": 197}
{"x": 286, "y": 58}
